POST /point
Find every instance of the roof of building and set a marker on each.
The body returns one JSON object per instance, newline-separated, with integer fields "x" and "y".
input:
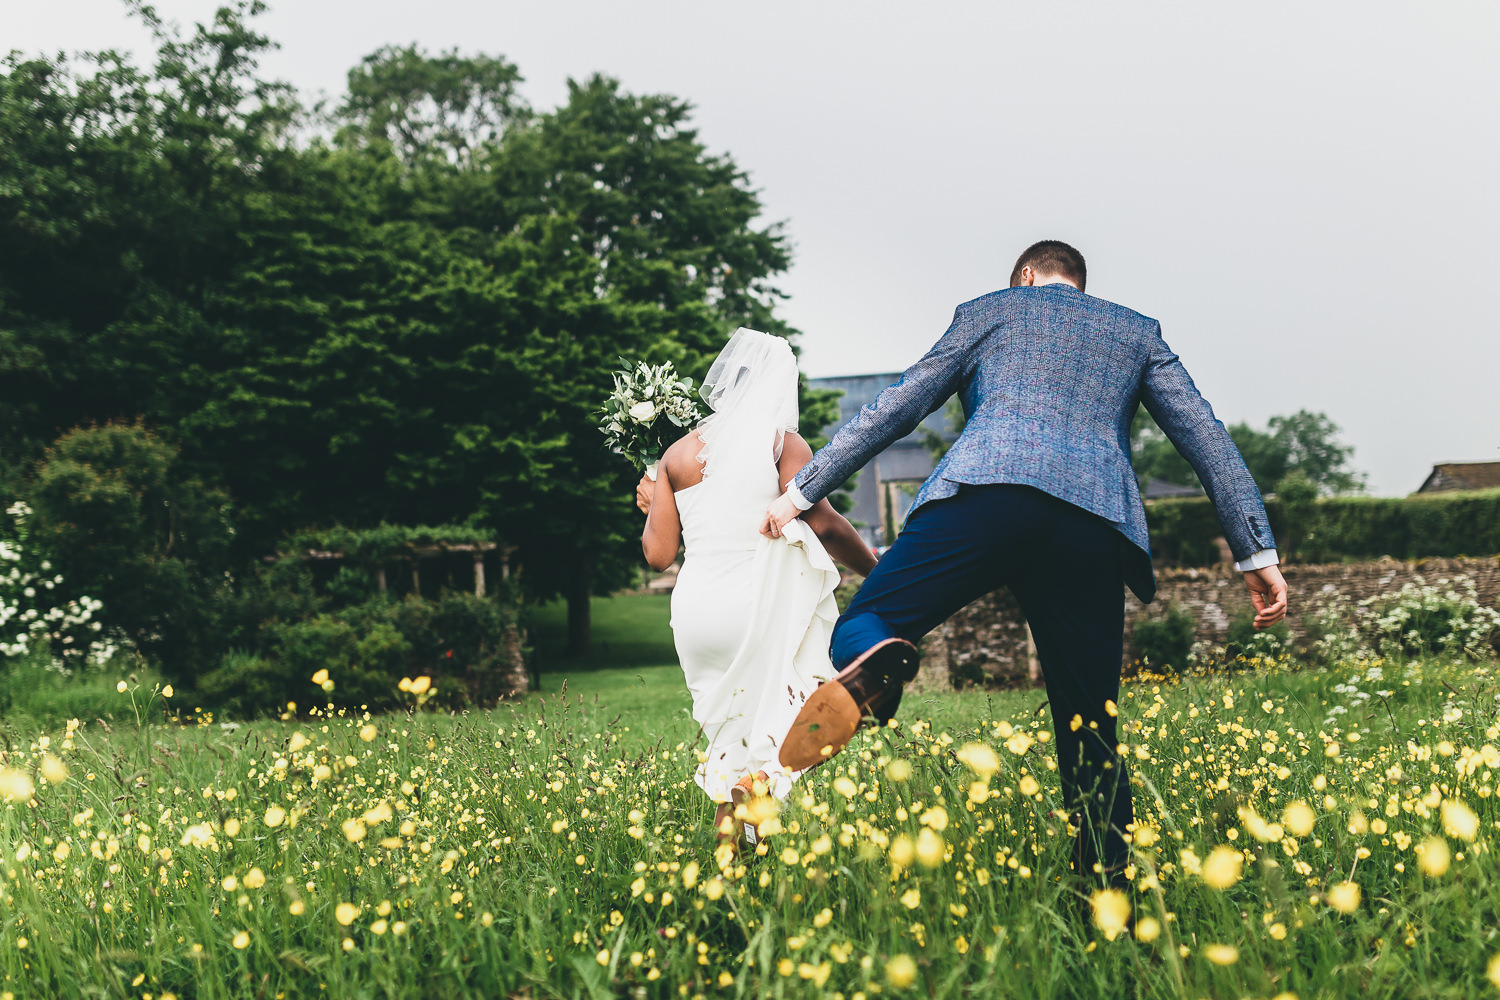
{"x": 860, "y": 390}
{"x": 1462, "y": 476}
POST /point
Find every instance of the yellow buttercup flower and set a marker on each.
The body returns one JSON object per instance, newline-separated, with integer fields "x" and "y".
{"x": 1299, "y": 818}
{"x": 345, "y": 913}
{"x": 1111, "y": 910}
{"x": 1344, "y": 897}
{"x": 930, "y": 848}
{"x": 242, "y": 940}
{"x": 1222, "y": 869}
{"x": 1433, "y": 857}
{"x": 53, "y": 769}
{"x": 275, "y": 816}
{"x": 1259, "y": 829}
{"x": 1147, "y": 929}
{"x": 1019, "y": 743}
{"x": 1221, "y": 954}
{"x": 1459, "y": 820}
{"x": 16, "y": 786}
{"x": 980, "y": 759}
{"x": 936, "y": 818}
{"x": 901, "y": 972}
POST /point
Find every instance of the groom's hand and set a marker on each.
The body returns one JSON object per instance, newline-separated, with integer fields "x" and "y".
{"x": 1268, "y": 594}
{"x": 781, "y": 511}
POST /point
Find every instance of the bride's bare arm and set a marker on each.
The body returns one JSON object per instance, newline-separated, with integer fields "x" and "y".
{"x": 832, "y": 528}
{"x": 663, "y": 534}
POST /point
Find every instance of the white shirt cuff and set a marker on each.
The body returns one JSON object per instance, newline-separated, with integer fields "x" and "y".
{"x": 795, "y": 495}
{"x": 1261, "y": 559}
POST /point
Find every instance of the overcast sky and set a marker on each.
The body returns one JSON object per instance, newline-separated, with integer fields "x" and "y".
{"x": 1305, "y": 195}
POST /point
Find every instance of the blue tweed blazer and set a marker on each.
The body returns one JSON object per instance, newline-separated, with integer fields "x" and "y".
{"x": 1049, "y": 379}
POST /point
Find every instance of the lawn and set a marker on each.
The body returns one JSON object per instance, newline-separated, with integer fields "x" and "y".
{"x": 1318, "y": 834}
{"x": 630, "y": 630}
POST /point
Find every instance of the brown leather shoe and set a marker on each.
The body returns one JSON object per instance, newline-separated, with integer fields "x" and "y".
{"x": 832, "y": 714}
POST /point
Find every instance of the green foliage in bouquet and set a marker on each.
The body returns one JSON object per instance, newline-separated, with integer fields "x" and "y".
{"x": 649, "y": 409}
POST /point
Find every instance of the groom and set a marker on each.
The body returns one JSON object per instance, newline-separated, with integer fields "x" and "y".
{"x": 1037, "y": 495}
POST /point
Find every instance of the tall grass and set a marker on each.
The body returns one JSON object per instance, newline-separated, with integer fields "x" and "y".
{"x": 560, "y": 848}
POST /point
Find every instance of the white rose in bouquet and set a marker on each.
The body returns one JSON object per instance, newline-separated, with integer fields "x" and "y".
{"x": 643, "y": 413}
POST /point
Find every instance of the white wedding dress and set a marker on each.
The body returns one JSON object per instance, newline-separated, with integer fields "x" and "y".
{"x": 751, "y": 616}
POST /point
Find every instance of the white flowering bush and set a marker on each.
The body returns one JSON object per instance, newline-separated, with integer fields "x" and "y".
{"x": 68, "y": 632}
{"x": 649, "y": 409}
{"x": 1443, "y": 618}
{"x": 1334, "y": 626}
{"x": 1446, "y": 617}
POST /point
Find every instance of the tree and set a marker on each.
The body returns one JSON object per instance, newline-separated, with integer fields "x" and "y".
{"x": 411, "y": 320}
{"x": 953, "y": 417}
{"x": 121, "y": 196}
{"x": 126, "y": 525}
{"x": 446, "y": 107}
{"x": 1305, "y": 443}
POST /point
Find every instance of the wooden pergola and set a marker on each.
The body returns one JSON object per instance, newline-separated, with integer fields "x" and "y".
{"x": 416, "y": 554}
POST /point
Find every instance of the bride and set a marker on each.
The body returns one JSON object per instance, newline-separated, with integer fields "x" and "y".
{"x": 751, "y": 616}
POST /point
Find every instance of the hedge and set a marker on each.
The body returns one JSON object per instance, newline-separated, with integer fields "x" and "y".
{"x": 1339, "y": 529}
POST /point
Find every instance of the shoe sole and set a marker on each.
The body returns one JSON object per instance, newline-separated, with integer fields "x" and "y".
{"x": 830, "y": 717}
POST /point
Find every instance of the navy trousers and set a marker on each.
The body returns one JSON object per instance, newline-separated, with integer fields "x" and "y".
{"x": 1065, "y": 568}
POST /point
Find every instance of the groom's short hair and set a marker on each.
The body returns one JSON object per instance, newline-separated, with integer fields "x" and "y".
{"x": 1052, "y": 257}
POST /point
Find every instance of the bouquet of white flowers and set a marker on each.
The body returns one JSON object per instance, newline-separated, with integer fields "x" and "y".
{"x": 649, "y": 409}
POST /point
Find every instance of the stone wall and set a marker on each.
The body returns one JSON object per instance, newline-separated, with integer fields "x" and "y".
{"x": 988, "y": 641}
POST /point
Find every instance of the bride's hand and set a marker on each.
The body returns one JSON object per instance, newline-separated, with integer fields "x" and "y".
{"x": 644, "y": 490}
{"x": 781, "y": 512}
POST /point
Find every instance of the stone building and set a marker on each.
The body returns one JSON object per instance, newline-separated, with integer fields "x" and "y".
{"x": 885, "y": 488}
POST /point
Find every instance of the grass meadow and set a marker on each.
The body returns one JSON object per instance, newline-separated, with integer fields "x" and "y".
{"x": 1314, "y": 834}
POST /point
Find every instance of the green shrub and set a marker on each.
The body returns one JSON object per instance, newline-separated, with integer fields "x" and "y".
{"x": 126, "y": 525}
{"x": 1246, "y": 642}
{"x": 1166, "y": 641}
{"x": 1184, "y": 532}
{"x": 457, "y": 639}
{"x": 245, "y": 686}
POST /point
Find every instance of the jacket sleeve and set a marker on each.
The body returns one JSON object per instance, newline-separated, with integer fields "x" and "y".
{"x": 1188, "y": 421}
{"x": 895, "y": 413}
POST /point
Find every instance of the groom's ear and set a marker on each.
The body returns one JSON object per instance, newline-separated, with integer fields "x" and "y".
{"x": 1024, "y": 276}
